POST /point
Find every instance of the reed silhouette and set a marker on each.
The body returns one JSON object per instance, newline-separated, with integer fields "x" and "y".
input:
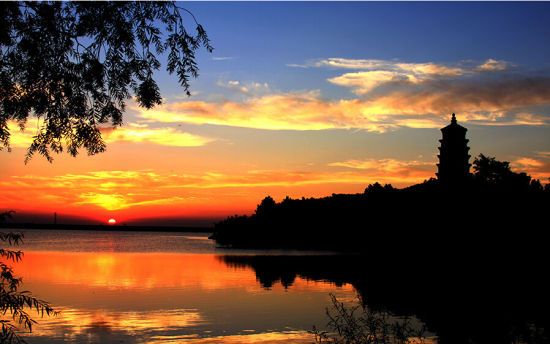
{"x": 359, "y": 324}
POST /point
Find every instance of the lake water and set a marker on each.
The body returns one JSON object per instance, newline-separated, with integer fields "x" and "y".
{"x": 142, "y": 287}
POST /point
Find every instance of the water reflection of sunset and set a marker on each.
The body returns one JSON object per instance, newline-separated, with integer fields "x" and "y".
{"x": 142, "y": 271}
{"x": 168, "y": 298}
{"x": 152, "y": 327}
{"x": 130, "y": 270}
{"x": 78, "y": 322}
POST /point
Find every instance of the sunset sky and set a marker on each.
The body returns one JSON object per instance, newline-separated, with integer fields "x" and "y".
{"x": 306, "y": 99}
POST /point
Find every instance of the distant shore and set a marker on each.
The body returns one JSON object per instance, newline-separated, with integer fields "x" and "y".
{"x": 19, "y": 226}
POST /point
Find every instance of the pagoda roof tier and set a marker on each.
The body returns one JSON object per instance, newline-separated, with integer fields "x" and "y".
{"x": 454, "y": 126}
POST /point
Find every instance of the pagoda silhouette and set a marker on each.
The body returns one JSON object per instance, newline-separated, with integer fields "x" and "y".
{"x": 454, "y": 166}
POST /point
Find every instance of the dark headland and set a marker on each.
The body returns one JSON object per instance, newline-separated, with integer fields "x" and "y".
{"x": 493, "y": 210}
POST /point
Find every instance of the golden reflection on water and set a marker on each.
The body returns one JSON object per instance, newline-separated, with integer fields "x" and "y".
{"x": 296, "y": 337}
{"x": 74, "y": 323}
{"x": 131, "y": 270}
{"x": 107, "y": 297}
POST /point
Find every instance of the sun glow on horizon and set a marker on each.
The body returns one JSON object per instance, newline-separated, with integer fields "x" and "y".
{"x": 111, "y": 221}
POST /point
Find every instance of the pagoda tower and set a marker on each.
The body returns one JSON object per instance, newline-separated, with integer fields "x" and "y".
{"x": 454, "y": 166}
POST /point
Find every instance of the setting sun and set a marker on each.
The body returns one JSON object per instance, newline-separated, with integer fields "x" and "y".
{"x": 111, "y": 221}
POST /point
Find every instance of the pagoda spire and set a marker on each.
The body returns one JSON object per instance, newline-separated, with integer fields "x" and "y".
{"x": 454, "y": 166}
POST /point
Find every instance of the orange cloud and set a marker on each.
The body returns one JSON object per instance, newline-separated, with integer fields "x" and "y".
{"x": 160, "y": 136}
{"x": 537, "y": 168}
{"x": 117, "y": 201}
{"x": 528, "y": 162}
{"x": 136, "y": 133}
{"x": 295, "y": 111}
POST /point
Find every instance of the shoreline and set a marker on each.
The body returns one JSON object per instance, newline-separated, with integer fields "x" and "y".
{"x": 106, "y": 228}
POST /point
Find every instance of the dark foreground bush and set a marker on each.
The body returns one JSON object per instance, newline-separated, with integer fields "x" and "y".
{"x": 362, "y": 325}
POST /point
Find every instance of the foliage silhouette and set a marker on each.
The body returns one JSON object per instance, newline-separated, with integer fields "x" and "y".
{"x": 73, "y": 65}
{"x": 266, "y": 207}
{"x": 498, "y": 175}
{"x": 367, "y": 327}
{"x": 13, "y": 302}
{"x": 6, "y": 215}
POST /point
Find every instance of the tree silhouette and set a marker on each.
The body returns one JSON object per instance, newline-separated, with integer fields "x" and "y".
{"x": 377, "y": 187}
{"x": 491, "y": 170}
{"x": 266, "y": 207}
{"x": 73, "y": 65}
{"x": 499, "y": 174}
{"x": 6, "y": 215}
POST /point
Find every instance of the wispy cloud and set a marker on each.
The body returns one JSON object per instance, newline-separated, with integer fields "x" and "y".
{"x": 297, "y": 65}
{"x": 249, "y": 88}
{"x": 391, "y": 168}
{"x": 493, "y": 65}
{"x": 419, "y": 69}
{"x": 223, "y": 58}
